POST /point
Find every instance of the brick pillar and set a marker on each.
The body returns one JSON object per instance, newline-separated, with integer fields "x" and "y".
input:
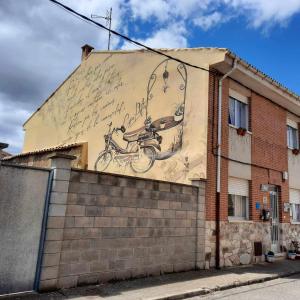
{"x": 61, "y": 168}
{"x": 200, "y": 230}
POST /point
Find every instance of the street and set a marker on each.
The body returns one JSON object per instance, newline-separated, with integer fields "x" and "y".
{"x": 279, "y": 289}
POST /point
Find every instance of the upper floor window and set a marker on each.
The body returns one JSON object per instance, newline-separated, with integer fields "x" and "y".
{"x": 292, "y": 137}
{"x": 238, "y": 113}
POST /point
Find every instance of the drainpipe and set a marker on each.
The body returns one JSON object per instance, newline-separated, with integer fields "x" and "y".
{"x": 219, "y": 163}
{"x": 43, "y": 233}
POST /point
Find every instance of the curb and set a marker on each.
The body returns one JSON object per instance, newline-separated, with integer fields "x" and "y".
{"x": 206, "y": 291}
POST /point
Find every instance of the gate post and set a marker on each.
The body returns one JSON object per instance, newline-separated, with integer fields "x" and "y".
{"x": 55, "y": 220}
{"x": 200, "y": 229}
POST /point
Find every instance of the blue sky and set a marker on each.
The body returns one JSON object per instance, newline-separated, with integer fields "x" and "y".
{"x": 40, "y": 43}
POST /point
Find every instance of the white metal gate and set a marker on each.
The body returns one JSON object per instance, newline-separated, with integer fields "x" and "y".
{"x": 274, "y": 221}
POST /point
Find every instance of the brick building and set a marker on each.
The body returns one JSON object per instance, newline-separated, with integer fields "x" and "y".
{"x": 225, "y": 122}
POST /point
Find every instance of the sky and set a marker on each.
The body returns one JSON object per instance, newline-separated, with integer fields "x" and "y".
{"x": 40, "y": 44}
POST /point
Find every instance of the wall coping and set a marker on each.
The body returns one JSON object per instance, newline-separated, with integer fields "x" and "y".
{"x": 5, "y": 164}
{"x": 138, "y": 178}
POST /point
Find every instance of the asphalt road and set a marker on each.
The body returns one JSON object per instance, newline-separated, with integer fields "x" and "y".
{"x": 280, "y": 289}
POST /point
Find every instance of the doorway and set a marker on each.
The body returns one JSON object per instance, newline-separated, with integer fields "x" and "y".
{"x": 274, "y": 220}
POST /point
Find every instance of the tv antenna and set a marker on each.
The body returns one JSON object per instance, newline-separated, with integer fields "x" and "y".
{"x": 108, "y": 23}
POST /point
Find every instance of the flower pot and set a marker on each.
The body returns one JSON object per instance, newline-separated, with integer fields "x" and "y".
{"x": 296, "y": 151}
{"x": 292, "y": 255}
{"x": 270, "y": 258}
{"x": 241, "y": 131}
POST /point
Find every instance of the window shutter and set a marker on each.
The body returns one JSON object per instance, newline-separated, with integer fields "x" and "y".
{"x": 238, "y": 186}
{"x": 292, "y": 123}
{"x": 294, "y": 196}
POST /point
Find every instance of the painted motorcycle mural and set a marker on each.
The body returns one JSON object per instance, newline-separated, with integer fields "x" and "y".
{"x": 155, "y": 140}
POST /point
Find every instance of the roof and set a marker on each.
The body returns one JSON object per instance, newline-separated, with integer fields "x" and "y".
{"x": 45, "y": 150}
{"x": 4, "y": 154}
{"x": 227, "y": 51}
{"x": 263, "y": 75}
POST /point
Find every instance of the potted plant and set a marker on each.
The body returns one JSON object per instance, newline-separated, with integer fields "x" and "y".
{"x": 270, "y": 256}
{"x": 296, "y": 151}
{"x": 291, "y": 254}
{"x": 241, "y": 131}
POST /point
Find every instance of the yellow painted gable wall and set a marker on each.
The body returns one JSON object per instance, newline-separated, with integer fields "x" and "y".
{"x": 124, "y": 88}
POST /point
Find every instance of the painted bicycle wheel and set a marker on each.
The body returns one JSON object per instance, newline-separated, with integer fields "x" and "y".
{"x": 103, "y": 161}
{"x": 144, "y": 161}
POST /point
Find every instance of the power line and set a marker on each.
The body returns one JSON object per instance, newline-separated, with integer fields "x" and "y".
{"x": 86, "y": 19}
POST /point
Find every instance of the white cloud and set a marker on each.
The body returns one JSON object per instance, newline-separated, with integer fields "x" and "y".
{"x": 159, "y": 9}
{"x": 265, "y": 12}
{"x": 208, "y": 21}
{"x": 206, "y": 13}
{"x": 173, "y": 36}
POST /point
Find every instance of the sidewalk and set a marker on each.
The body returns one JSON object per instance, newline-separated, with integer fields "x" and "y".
{"x": 175, "y": 286}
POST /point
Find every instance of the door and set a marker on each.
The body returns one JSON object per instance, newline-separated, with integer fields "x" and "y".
{"x": 274, "y": 221}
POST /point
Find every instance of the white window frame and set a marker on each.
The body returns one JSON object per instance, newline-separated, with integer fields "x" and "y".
{"x": 294, "y": 200}
{"x": 295, "y": 221}
{"x": 292, "y": 141}
{"x": 236, "y": 199}
{"x": 238, "y": 118}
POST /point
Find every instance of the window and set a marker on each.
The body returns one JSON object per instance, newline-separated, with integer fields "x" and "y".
{"x": 238, "y": 200}
{"x": 238, "y": 113}
{"x": 295, "y": 204}
{"x": 296, "y": 212}
{"x": 238, "y": 206}
{"x": 292, "y": 137}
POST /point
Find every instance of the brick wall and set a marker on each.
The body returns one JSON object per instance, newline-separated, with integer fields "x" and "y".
{"x": 115, "y": 227}
{"x": 212, "y": 150}
{"x": 269, "y": 149}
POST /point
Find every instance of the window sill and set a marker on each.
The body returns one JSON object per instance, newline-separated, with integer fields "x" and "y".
{"x": 237, "y": 220}
{"x": 295, "y": 222}
{"x": 235, "y": 127}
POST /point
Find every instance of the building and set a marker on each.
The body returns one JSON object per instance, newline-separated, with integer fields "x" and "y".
{"x": 2, "y": 152}
{"x": 224, "y": 121}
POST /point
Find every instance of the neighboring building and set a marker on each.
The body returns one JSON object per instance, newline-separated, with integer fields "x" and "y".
{"x": 2, "y": 152}
{"x": 170, "y": 111}
{"x": 40, "y": 158}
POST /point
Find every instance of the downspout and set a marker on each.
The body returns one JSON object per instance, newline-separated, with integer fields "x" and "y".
{"x": 43, "y": 232}
{"x": 219, "y": 163}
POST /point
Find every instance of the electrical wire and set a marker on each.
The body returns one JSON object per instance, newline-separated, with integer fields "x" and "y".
{"x": 90, "y": 21}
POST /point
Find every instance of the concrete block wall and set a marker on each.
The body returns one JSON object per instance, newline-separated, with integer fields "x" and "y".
{"x": 61, "y": 168}
{"x": 114, "y": 227}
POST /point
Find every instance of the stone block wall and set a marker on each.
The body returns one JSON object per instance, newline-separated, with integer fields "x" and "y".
{"x": 289, "y": 233}
{"x": 114, "y": 227}
{"x": 236, "y": 242}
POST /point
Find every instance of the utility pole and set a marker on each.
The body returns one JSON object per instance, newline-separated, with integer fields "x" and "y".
{"x": 108, "y": 23}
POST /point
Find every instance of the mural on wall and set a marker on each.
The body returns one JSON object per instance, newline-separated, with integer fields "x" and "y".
{"x": 161, "y": 134}
{"x": 139, "y": 114}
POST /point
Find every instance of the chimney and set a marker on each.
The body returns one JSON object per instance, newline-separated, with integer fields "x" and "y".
{"x": 86, "y": 50}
